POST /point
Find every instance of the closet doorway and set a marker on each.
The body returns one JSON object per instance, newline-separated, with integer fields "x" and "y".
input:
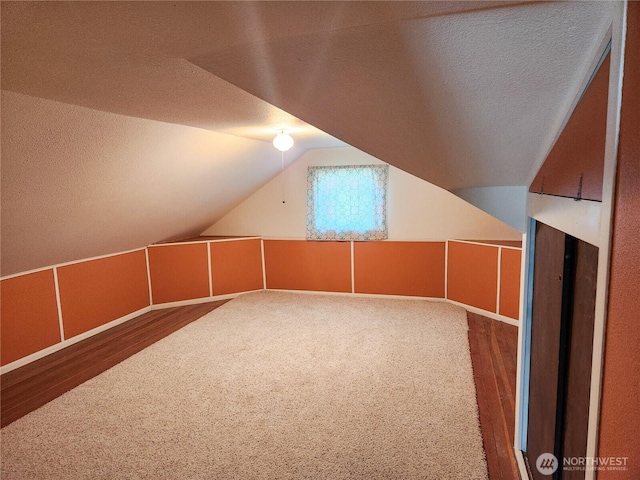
{"x": 562, "y": 323}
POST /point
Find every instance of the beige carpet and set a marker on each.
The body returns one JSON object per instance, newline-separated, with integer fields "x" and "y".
{"x": 272, "y": 385}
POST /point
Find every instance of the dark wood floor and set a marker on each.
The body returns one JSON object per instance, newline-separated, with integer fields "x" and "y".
{"x": 493, "y": 347}
{"x": 493, "y": 352}
{"x": 30, "y": 387}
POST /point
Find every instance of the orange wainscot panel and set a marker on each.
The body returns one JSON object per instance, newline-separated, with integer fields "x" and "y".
{"x": 236, "y": 266}
{"x": 308, "y": 265}
{"x": 29, "y": 315}
{"x": 472, "y": 273}
{"x": 96, "y": 292}
{"x": 179, "y": 272}
{"x": 400, "y": 268}
{"x": 510, "y": 283}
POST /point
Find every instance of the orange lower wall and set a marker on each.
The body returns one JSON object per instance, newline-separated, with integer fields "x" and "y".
{"x": 510, "y": 268}
{"x": 305, "y": 265}
{"x": 400, "y": 268}
{"x": 236, "y": 266}
{"x": 620, "y": 407}
{"x": 179, "y": 272}
{"x": 472, "y": 275}
{"x": 96, "y": 292}
{"x": 29, "y": 315}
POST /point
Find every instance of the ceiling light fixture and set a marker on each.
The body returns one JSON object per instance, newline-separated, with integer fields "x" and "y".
{"x": 283, "y": 141}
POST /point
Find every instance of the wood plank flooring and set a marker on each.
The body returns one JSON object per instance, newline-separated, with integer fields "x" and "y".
{"x": 493, "y": 346}
{"x": 493, "y": 352}
{"x": 30, "y": 387}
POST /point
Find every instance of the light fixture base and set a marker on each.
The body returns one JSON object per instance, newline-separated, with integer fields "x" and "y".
{"x": 283, "y": 141}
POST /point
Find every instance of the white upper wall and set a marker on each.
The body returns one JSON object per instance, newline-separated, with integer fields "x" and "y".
{"x": 507, "y": 203}
{"x": 417, "y": 210}
{"x": 79, "y": 183}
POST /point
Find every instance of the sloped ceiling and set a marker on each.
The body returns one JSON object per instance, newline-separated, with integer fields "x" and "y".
{"x": 78, "y": 183}
{"x": 464, "y": 100}
{"x": 462, "y": 94}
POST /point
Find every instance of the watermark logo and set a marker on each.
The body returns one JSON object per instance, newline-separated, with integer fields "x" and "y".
{"x": 547, "y": 463}
{"x": 583, "y": 464}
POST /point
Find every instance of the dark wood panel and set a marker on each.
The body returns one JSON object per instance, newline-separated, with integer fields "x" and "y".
{"x": 575, "y": 165}
{"x": 576, "y": 415}
{"x": 620, "y": 404}
{"x": 28, "y": 388}
{"x": 548, "y": 274}
{"x": 493, "y": 347}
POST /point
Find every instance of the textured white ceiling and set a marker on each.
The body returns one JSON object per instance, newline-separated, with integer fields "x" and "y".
{"x": 466, "y": 100}
{"x": 458, "y": 88}
{"x": 462, "y": 94}
{"x": 130, "y": 57}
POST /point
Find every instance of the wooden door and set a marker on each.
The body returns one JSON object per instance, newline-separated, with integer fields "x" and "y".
{"x": 563, "y": 314}
{"x": 549, "y": 259}
{"x": 580, "y": 352}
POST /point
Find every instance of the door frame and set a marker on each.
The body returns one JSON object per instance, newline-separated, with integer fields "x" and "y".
{"x": 585, "y": 220}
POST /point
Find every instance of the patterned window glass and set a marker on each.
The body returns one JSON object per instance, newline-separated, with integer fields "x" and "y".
{"x": 347, "y": 202}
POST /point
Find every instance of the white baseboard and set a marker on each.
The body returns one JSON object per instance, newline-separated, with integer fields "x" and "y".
{"x": 349, "y": 294}
{"x": 522, "y": 467}
{"x": 70, "y": 341}
{"x": 196, "y": 301}
{"x": 486, "y": 313}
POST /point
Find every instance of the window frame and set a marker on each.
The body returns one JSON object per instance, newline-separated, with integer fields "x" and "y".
{"x": 380, "y": 174}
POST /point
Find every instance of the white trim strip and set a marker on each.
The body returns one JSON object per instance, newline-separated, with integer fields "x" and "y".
{"x": 499, "y": 278}
{"x": 146, "y": 255}
{"x": 58, "y": 265}
{"x": 209, "y": 269}
{"x": 522, "y": 359}
{"x": 355, "y": 295}
{"x": 579, "y": 219}
{"x": 28, "y": 272}
{"x": 204, "y": 240}
{"x": 239, "y": 239}
{"x": 289, "y": 239}
{"x": 59, "y": 346}
{"x": 486, "y": 313}
{"x": 58, "y": 303}
{"x": 197, "y": 301}
{"x": 353, "y": 271}
{"x": 446, "y": 269}
{"x": 618, "y": 46}
{"x": 522, "y": 467}
{"x": 387, "y": 240}
{"x": 264, "y": 269}
{"x": 488, "y": 244}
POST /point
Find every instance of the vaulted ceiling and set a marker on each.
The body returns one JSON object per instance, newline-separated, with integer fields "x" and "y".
{"x": 461, "y": 94}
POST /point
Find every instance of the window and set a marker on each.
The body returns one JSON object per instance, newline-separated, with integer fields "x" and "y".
{"x": 347, "y": 202}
